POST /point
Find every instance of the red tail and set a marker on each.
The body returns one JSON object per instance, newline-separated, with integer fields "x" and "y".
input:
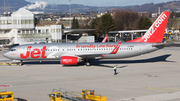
{"x": 156, "y": 32}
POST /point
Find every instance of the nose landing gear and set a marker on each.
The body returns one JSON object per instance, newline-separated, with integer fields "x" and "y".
{"x": 20, "y": 63}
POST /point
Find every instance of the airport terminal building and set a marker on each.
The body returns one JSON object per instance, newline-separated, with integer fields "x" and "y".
{"x": 19, "y": 28}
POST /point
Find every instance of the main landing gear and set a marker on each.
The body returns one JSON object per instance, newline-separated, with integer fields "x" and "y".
{"x": 87, "y": 63}
{"x": 20, "y": 63}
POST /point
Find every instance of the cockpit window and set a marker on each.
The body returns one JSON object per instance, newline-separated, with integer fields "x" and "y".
{"x": 13, "y": 50}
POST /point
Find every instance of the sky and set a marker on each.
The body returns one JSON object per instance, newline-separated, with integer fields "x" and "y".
{"x": 103, "y": 2}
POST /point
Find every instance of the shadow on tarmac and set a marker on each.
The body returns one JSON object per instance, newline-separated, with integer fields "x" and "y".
{"x": 104, "y": 63}
{"x": 155, "y": 59}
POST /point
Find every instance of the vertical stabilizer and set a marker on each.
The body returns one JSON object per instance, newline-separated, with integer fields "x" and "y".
{"x": 156, "y": 32}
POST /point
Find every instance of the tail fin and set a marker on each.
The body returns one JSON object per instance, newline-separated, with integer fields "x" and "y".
{"x": 156, "y": 32}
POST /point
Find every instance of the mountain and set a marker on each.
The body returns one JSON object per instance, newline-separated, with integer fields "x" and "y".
{"x": 151, "y": 7}
{"x": 75, "y": 8}
{"x": 13, "y": 5}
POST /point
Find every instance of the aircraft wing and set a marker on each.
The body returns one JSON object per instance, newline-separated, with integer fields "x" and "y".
{"x": 5, "y": 60}
{"x": 128, "y": 31}
{"x": 90, "y": 55}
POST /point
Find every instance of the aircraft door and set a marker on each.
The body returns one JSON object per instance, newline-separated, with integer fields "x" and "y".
{"x": 139, "y": 48}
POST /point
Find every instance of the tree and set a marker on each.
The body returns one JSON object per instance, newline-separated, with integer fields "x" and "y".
{"x": 75, "y": 24}
{"x": 95, "y": 25}
{"x": 63, "y": 26}
{"x": 126, "y": 20}
{"x": 107, "y": 24}
{"x": 171, "y": 20}
{"x": 103, "y": 25}
{"x": 85, "y": 24}
{"x": 145, "y": 23}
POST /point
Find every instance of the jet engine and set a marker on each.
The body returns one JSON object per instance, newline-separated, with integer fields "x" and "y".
{"x": 69, "y": 60}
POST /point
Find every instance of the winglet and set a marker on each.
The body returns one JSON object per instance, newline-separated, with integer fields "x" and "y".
{"x": 104, "y": 40}
{"x": 116, "y": 48}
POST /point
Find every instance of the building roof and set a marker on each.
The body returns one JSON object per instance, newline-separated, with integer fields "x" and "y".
{"x": 23, "y": 11}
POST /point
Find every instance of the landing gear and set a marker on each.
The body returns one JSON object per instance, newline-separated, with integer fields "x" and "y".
{"x": 20, "y": 63}
{"x": 87, "y": 64}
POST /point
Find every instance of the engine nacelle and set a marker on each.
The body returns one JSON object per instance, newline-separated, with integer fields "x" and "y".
{"x": 69, "y": 60}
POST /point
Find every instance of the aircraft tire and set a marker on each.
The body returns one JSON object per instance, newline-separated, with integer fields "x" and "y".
{"x": 20, "y": 63}
{"x": 87, "y": 64}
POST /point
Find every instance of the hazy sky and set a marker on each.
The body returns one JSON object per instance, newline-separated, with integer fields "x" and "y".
{"x": 103, "y": 2}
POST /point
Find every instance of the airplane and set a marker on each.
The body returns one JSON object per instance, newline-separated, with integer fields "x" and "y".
{"x": 73, "y": 53}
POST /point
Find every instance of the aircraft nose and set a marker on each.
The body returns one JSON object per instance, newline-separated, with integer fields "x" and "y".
{"x": 5, "y": 54}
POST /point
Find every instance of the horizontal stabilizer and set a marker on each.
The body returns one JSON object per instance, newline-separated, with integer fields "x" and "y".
{"x": 166, "y": 45}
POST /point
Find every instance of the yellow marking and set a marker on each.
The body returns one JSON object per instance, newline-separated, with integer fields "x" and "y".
{"x": 8, "y": 64}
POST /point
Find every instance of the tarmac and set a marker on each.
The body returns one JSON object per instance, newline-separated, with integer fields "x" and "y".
{"x": 150, "y": 77}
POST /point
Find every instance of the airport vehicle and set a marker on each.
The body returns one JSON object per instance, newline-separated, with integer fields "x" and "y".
{"x": 164, "y": 40}
{"x": 56, "y": 96}
{"x": 73, "y": 53}
{"x": 66, "y": 95}
{"x": 6, "y": 96}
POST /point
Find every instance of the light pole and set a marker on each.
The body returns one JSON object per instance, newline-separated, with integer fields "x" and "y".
{"x": 4, "y": 6}
{"x": 69, "y": 17}
{"x": 70, "y": 13}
